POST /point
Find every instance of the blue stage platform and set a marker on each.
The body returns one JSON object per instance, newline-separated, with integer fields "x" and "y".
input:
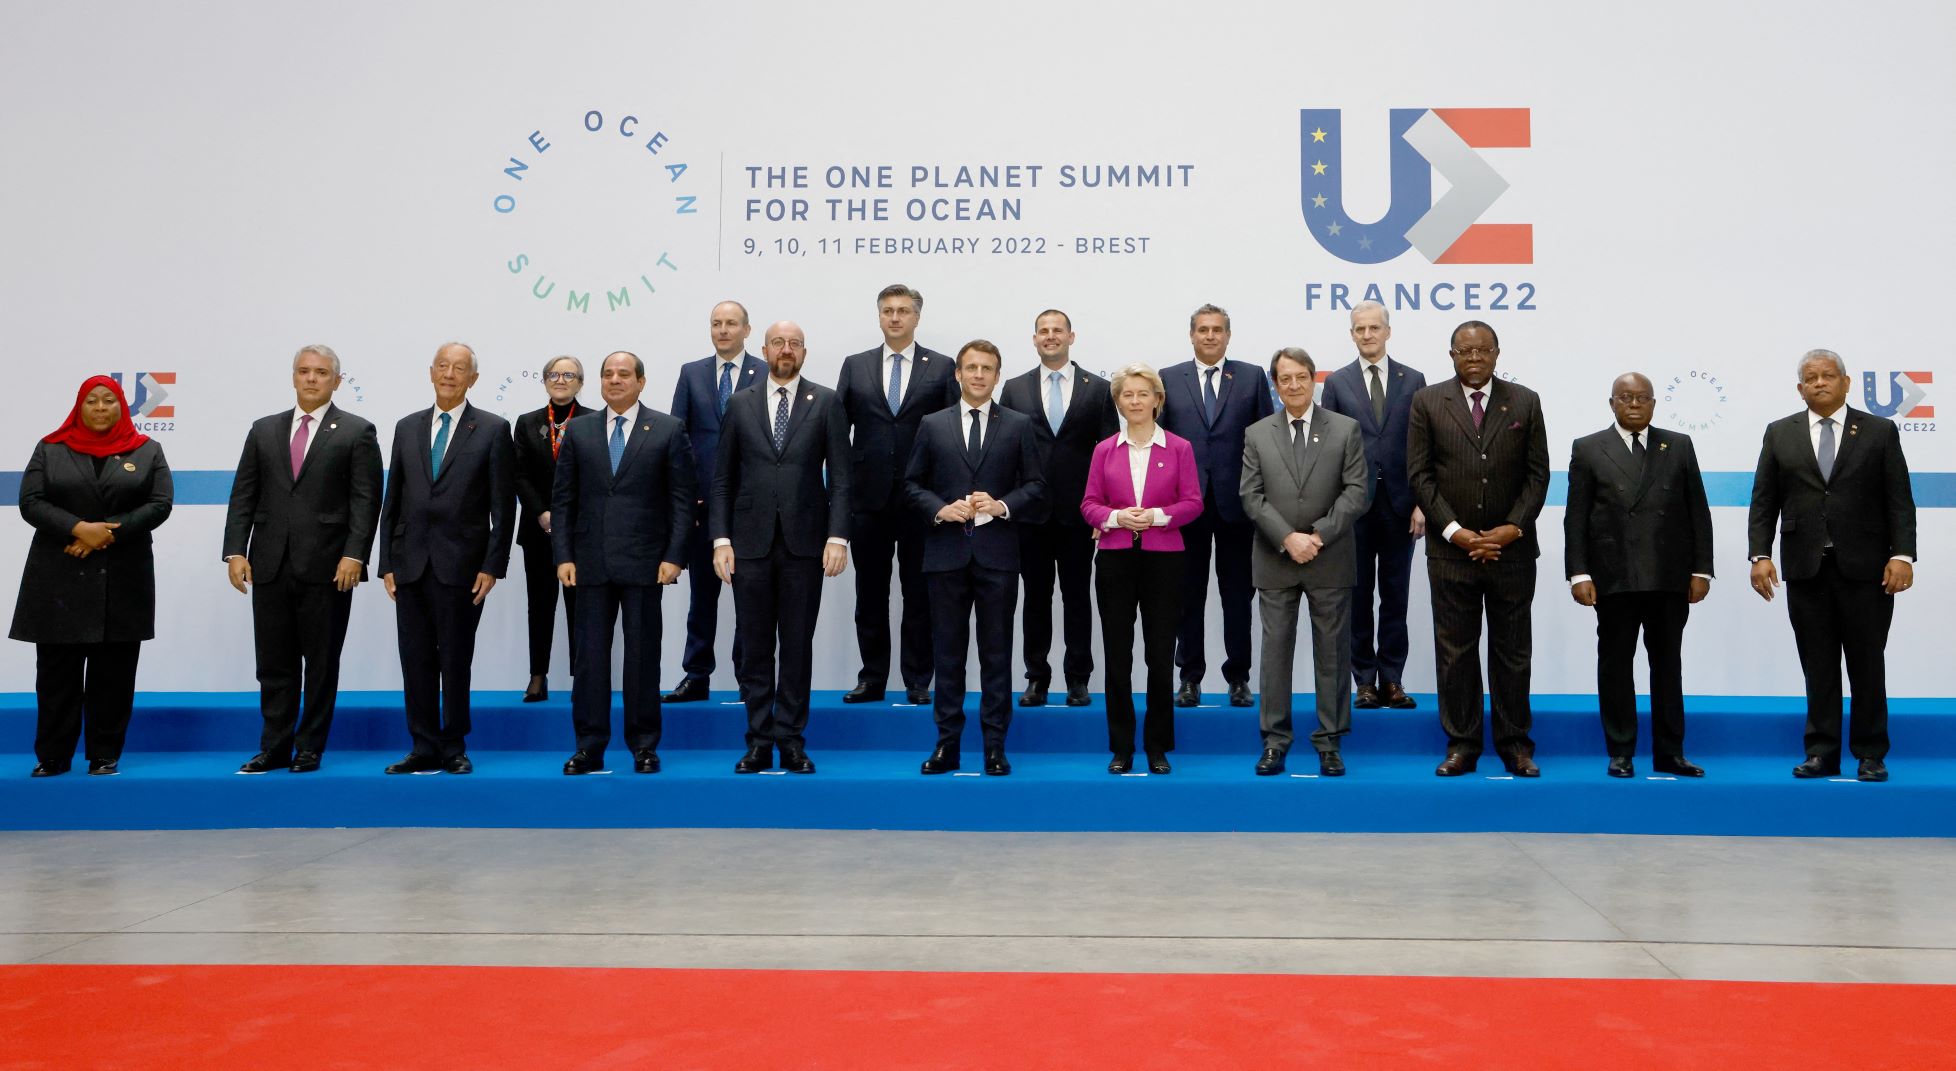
{"x": 184, "y": 748}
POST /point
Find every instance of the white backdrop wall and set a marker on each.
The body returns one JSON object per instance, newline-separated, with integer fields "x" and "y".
{"x": 195, "y": 190}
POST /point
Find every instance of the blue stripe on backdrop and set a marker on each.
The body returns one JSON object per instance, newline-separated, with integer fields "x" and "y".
{"x": 1933, "y": 490}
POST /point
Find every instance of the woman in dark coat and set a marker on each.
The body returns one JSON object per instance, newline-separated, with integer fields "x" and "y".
{"x": 94, "y": 490}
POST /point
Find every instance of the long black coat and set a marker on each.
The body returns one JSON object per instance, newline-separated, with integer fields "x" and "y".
{"x": 109, "y": 596}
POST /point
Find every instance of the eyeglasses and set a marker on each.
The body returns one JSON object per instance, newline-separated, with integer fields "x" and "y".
{"x": 1304, "y": 379}
{"x": 1477, "y": 351}
{"x": 1633, "y": 399}
{"x": 561, "y": 377}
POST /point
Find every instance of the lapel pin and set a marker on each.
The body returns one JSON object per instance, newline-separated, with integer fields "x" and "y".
{"x": 331, "y": 426}
{"x": 1160, "y": 465}
{"x": 129, "y": 466}
{"x": 808, "y": 397}
{"x": 1504, "y": 409}
{"x": 1663, "y": 446}
{"x": 645, "y": 427}
{"x": 1314, "y": 438}
{"x": 1854, "y": 429}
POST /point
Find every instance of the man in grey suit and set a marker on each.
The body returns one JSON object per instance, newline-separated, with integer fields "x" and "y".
{"x": 1304, "y": 485}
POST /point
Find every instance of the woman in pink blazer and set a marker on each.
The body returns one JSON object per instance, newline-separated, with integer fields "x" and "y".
{"x": 1141, "y": 489}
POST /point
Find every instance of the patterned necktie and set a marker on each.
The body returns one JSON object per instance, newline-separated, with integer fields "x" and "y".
{"x": 1825, "y": 453}
{"x": 1378, "y": 397}
{"x": 441, "y": 447}
{"x": 1299, "y": 435}
{"x": 726, "y": 385}
{"x": 617, "y": 446}
{"x": 780, "y": 419}
{"x": 896, "y": 382}
{"x": 1479, "y": 413}
{"x": 1055, "y": 412}
{"x": 1637, "y": 452}
{"x": 299, "y": 443}
{"x": 1209, "y": 398}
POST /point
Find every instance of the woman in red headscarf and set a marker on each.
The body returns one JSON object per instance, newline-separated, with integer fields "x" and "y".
{"x": 93, "y": 491}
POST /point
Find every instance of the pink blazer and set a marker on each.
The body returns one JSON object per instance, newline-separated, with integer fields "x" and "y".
{"x": 1172, "y": 486}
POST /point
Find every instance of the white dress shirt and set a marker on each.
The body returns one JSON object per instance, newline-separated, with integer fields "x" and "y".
{"x": 611, "y": 422}
{"x": 312, "y": 433}
{"x": 1069, "y": 375}
{"x": 1138, "y": 456}
{"x": 909, "y": 355}
{"x": 434, "y": 423}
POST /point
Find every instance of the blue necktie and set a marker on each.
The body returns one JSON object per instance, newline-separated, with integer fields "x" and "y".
{"x": 441, "y": 447}
{"x": 1209, "y": 398}
{"x": 896, "y": 382}
{"x": 781, "y": 419}
{"x": 617, "y": 442}
{"x": 1055, "y": 412}
{"x": 1824, "y": 454}
{"x": 726, "y": 384}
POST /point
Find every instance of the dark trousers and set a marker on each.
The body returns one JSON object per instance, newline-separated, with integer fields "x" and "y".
{"x": 954, "y": 595}
{"x": 1232, "y": 551}
{"x": 703, "y": 610}
{"x": 874, "y": 539}
{"x": 1385, "y": 556}
{"x": 1835, "y": 617}
{"x": 1066, "y": 550}
{"x": 599, "y": 606}
{"x": 1462, "y": 592}
{"x": 777, "y": 597}
{"x": 77, "y": 684}
{"x": 1127, "y": 581}
{"x": 298, "y": 629}
{"x": 435, "y": 624}
{"x": 540, "y": 588}
{"x": 1661, "y": 616}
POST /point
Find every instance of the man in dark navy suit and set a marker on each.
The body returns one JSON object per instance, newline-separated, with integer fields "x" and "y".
{"x": 700, "y": 401}
{"x": 1211, "y": 400}
{"x": 1834, "y": 482}
{"x": 1377, "y": 391}
{"x": 779, "y": 517}
{"x": 974, "y": 469}
{"x": 1638, "y": 547}
{"x": 1072, "y": 411}
{"x": 621, "y": 512}
{"x": 446, "y": 526}
{"x": 886, "y": 392}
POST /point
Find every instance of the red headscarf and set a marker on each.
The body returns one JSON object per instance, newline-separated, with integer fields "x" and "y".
{"x": 121, "y": 437}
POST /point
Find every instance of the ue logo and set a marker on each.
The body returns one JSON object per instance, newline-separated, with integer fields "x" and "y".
{"x": 1905, "y": 394}
{"x": 1424, "y": 140}
{"x": 147, "y": 391}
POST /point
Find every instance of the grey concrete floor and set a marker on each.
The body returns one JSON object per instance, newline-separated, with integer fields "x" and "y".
{"x": 1489, "y": 904}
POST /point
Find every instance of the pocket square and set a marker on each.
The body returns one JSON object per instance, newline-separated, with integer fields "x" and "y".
{"x": 1516, "y": 426}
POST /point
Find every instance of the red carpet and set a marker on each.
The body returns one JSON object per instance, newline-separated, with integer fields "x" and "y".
{"x": 289, "y": 1017}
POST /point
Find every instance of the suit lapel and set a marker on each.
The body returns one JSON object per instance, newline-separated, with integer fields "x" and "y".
{"x": 324, "y": 422}
{"x": 797, "y": 416}
{"x": 1844, "y": 449}
{"x": 634, "y": 443}
{"x": 1619, "y": 455}
{"x": 1311, "y": 448}
{"x": 464, "y": 426}
{"x": 85, "y": 476}
{"x": 1655, "y": 447}
{"x": 1457, "y": 405}
{"x": 920, "y": 366}
{"x": 1280, "y": 436}
{"x": 1193, "y": 377}
{"x": 1497, "y": 417}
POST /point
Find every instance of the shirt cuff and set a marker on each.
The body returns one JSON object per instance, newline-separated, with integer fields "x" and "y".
{"x": 1161, "y": 519}
{"x": 1113, "y": 520}
{"x": 1004, "y": 511}
{"x": 838, "y": 541}
{"x": 1706, "y": 577}
{"x": 1579, "y": 578}
{"x": 1902, "y": 558}
{"x": 1451, "y": 528}
{"x": 722, "y": 542}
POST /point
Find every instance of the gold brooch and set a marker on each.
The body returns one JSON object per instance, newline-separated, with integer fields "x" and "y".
{"x": 129, "y": 466}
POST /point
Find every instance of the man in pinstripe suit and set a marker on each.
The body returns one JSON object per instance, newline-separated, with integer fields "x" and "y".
{"x": 1477, "y": 457}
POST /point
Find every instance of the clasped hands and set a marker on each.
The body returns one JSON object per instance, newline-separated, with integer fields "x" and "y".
{"x": 90, "y": 536}
{"x": 1303, "y": 546}
{"x": 1486, "y": 546}
{"x": 959, "y": 511}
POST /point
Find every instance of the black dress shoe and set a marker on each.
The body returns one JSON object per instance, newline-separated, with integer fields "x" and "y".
{"x": 917, "y": 697}
{"x": 1076, "y": 694}
{"x": 646, "y": 761}
{"x": 759, "y": 757}
{"x": 1677, "y": 765}
{"x": 1158, "y": 764}
{"x": 995, "y": 764}
{"x": 1330, "y": 764}
{"x": 1815, "y": 766}
{"x": 864, "y": 692}
{"x": 1519, "y": 764}
{"x": 1239, "y": 695}
{"x": 1367, "y": 698}
{"x": 460, "y": 764}
{"x": 1871, "y": 770}
{"x": 538, "y": 691}
{"x": 305, "y": 762}
{"x": 1394, "y": 695}
{"x": 414, "y": 763}
{"x": 943, "y": 760}
{"x": 42, "y": 769}
{"x": 690, "y": 690}
{"x": 794, "y": 759}
{"x": 583, "y": 762}
{"x": 1188, "y": 694}
{"x": 263, "y": 763}
{"x": 1120, "y": 764}
{"x": 1271, "y": 764}
{"x": 103, "y": 767}
{"x": 1457, "y": 763}
{"x": 1034, "y": 695}
{"x": 1621, "y": 766}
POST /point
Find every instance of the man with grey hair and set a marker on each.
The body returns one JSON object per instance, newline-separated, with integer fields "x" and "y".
{"x": 1377, "y": 391}
{"x": 1834, "y": 483}
{"x": 445, "y": 534}
{"x": 539, "y": 437}
{"x": 304, "y": 503}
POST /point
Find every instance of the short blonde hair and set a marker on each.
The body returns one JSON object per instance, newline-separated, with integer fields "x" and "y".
{"x": 1137, "y": 370}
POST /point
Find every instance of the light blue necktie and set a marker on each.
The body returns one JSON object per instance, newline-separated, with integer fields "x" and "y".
{"x": 896, "y": 382}
{"x": 726, "y": 385}
{"x": 1055, "y": 412}
{"x": 617, "y": 442}
{"x": 1209, "y": 398}
{"x": 1824, "y": 453}
{"x": 441, "y": 447}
